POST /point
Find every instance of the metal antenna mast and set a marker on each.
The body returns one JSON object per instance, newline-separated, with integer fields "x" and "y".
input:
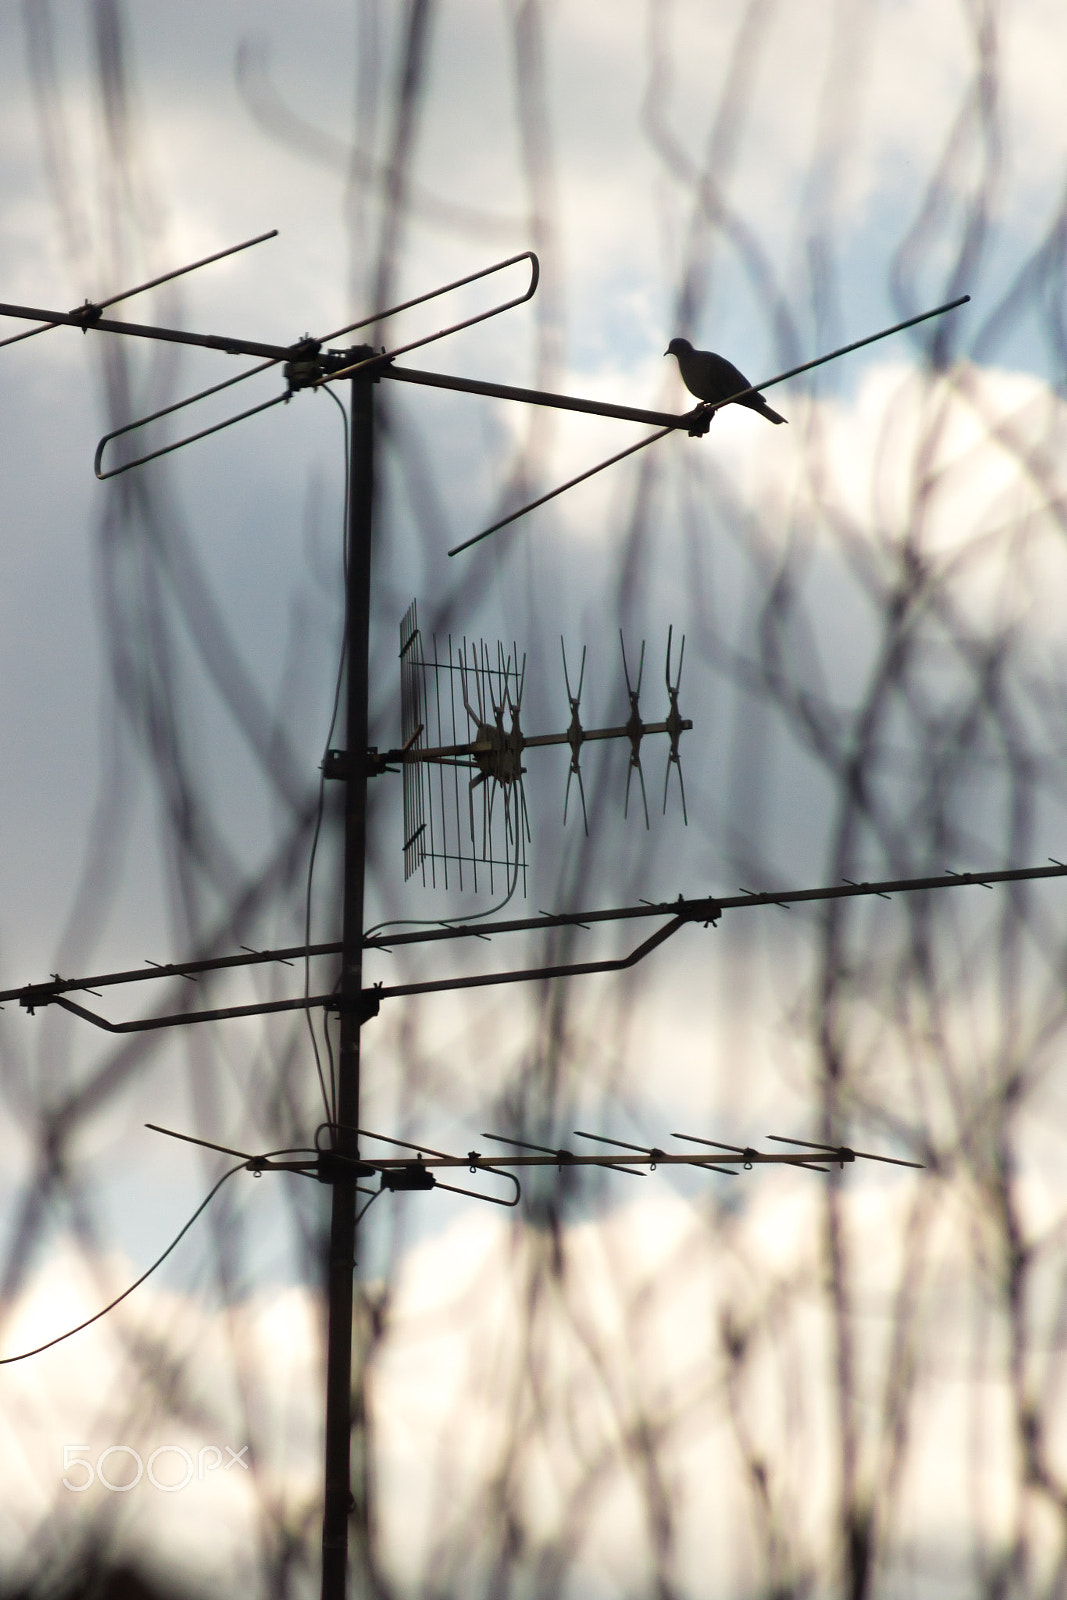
{"x": 337, "y": 1503}
{"x": 309, "y": 365}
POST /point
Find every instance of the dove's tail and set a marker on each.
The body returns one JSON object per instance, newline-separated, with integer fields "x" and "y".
{"x": 757, "y": 402}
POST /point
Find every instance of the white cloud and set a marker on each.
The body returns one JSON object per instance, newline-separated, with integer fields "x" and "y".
{"x": 647, "y": 1290}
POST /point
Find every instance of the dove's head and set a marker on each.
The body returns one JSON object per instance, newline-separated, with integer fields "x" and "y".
{"x": 678, "y": 347}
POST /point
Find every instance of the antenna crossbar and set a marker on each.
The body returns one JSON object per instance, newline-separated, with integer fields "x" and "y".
{"x": 327, "y": 1165}
{"x": 171, "y": 969}
{"x": 678, "y": 913}
{"x": 448, "y": 752}
{"x": 707, "y": 908}
{"x": 545, "y": 397}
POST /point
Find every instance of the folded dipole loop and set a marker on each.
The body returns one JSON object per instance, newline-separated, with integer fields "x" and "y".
{"x": 635, "y": 728}
{"x": 675, "y": 726}
{"x": 386, "y": 356}
{"x": 491, "y": 1199}
{"x": 457, "y": 283}
{"x": 179, "y": 405}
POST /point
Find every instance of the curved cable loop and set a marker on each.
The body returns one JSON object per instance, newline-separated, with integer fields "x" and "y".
{"x": 447, "y": 922}
{"x": 362, "y": 1212}
{"x": 386, "y": 356}
{"x": 490, "y": 1199}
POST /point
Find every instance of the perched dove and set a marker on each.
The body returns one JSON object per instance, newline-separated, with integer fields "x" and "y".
{"x": 712, "y": 377}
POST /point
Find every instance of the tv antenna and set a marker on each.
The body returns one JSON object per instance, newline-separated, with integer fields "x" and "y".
{"x": 421, "y": 1168}
{"x": 464, "y": 797}
{"x": 485, "y": 683}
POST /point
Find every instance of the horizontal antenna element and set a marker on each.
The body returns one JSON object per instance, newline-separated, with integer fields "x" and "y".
{"x": 672, "y": 915}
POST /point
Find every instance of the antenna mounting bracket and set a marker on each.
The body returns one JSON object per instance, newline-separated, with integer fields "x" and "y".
{"x": 309, "y": 365}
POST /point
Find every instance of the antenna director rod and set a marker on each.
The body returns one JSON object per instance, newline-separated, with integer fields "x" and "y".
{"x": 180, "y": 272}
{"x": 88, "y": 313}
{"x": 700, "y": 419}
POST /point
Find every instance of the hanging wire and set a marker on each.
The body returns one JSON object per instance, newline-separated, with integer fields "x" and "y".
{"x": 447, "y": 922}
{"x": 331, "y": 1063}
{"x": 6, "y": 1361}
{"x": 364, "y": 1209}
{"x": 329, "y": 1095}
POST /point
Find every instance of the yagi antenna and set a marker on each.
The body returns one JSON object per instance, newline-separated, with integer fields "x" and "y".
{"x": 85, "y": 316}
{"x": 672, "y": 915}
{"x": 401, "y": 1174}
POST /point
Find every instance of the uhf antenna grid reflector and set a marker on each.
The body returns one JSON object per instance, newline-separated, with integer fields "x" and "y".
{"x": 445, "y": 746}
{"x": 440, "y": 823}
{"x": 413, "y": 718}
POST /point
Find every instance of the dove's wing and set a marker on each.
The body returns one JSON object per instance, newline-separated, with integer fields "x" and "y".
{"x": 722, "y": 376}
{"x": 712, "y": 377}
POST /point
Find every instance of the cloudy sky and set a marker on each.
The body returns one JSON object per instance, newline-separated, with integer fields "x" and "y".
{"x": 772, "y": 181}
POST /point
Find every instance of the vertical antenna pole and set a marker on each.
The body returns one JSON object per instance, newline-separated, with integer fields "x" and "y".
{"x": 338, "y": 1501}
